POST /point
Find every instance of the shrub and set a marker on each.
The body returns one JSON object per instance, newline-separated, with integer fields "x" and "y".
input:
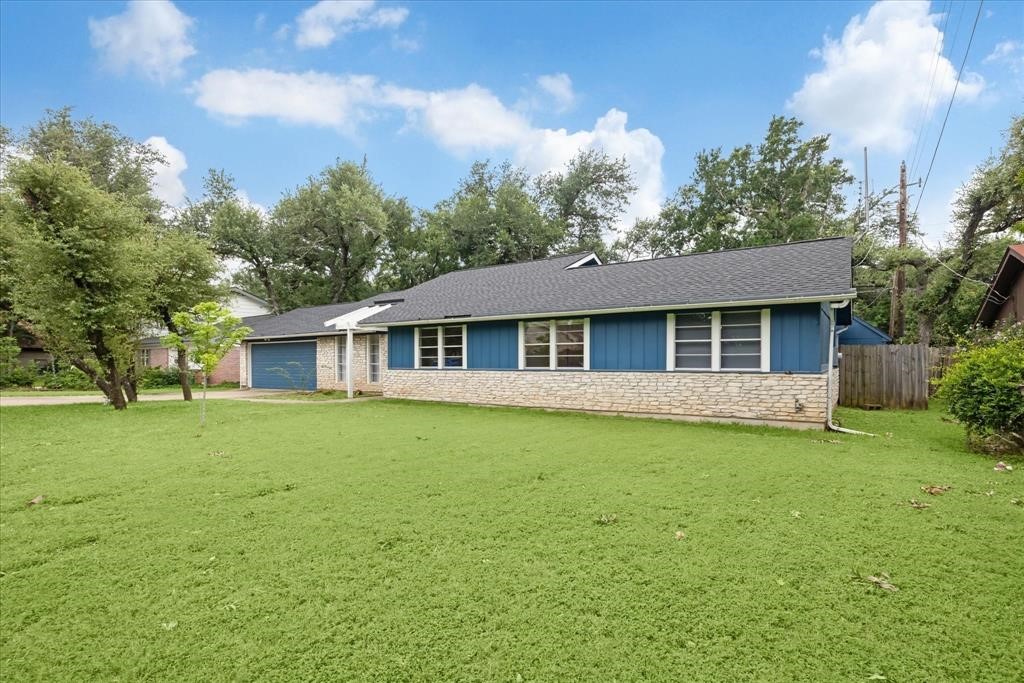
{"x": 13, "y": 373}
{"x": 66, "y": 378}
{"x": 159, "y": 377}
{"x": 985, "y": 386}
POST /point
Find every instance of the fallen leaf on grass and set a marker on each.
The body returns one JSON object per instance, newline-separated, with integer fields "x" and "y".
{"x": 877, "y": 677}
{"x": 36, "y": 501}
{"x": 880, "y": 581}
{"x": 826, "y": 441}
{"x": 680, "y": 535}
{"x": 1016, "y": 501}
{"x": 796, "y": 514}
{"x": 169, "y": 625}
{"x": 217, "y": 454}
{"x": 1003, "y": 467}
{"x": 918, "y": 505}
{"x": 935, "y": 490}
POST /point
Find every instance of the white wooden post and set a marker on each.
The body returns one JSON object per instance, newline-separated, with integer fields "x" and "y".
{"x": 349, "y": 380}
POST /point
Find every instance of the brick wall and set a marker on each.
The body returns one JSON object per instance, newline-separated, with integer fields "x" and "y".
{"x": 327, "y": 369}
{"x": 227, "y": 370}
{"x": 796, "y": 400}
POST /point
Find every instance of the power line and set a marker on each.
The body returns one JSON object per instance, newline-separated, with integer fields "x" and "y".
{"x": 949, "y": 108}
{"x": 923, "y": 116}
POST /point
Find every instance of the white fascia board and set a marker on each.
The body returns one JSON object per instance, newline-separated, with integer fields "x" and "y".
{"x": 350, "y": 321}
{"x": 630, "y": 309}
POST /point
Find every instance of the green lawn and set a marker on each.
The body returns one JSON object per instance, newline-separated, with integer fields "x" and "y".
{"x": 374, "y": 541}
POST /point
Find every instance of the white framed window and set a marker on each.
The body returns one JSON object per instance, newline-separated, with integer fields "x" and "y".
{"x": 340, "y": 355}
{"x": 554, "y": 344}
{"x": 719, "y": 341}
{"x": 144, "y": 357}
{"x": 442, "y": 347}
{"x": 373, "y": 358}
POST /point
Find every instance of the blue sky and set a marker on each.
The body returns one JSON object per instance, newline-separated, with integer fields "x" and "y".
{"x": 273, "y": 92}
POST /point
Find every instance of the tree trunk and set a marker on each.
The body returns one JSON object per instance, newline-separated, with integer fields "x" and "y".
{"x": 202, "y": 404}
{"x": 183, "y": 375}
{"x": 131, "y": 385}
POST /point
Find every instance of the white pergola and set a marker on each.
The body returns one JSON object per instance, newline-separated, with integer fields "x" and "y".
{"x": 349, "y": 323}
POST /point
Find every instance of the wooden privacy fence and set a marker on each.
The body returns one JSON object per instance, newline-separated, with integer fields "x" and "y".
{"x": 941, "y": 357}
{"x": 886, "y": 376}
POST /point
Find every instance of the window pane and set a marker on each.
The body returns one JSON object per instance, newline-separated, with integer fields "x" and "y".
{"x": 430, "y": 362}
{"x": 569, "y": 350}
{"x": 428, "y": 336}
{"x": 537, "y": 350}
{"x": 569, "y": 335}
{"x": 741, "y": 318}
{"x": 570, "y": 360}
{"x": 693, "y": 362}
{"x": 743, "y": 347}
{"x": 453, "y": 361}
{"x": 693, "y": 319}
{"x": 694, "y": 348}
{"x": 699, "y": 333}
{"x": 741, "y": 362}
{"x": 537, "y": 361}
{"x": 537, "y": 333}
{"x": 450, "y": 351}
{"x": 742, "y": 332}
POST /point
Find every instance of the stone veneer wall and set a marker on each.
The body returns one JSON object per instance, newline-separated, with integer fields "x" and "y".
{"x": 243, "y": 365}
{"x": 796, "y": 400}
{"x": 326, "y": 363}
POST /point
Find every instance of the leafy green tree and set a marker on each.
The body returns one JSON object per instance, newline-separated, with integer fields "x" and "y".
{"x": 207, "y": 331}
{"x": 83, "y": 257}
{"x": 184, "y": 274}
{"x": 785, "y": 189}
{"x": 335, "y": 227}
{"x": 988, "y": 209}
{"x": 584, "y": 202}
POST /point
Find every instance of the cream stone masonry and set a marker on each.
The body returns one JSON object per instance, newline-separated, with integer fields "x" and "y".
{"x": 790, "y": 400}
{"x": 243, "y": 365}
{"x": 327, "y": 368}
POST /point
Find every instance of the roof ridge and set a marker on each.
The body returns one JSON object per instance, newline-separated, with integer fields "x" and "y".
{"x": 727, "y": 251}
{"x": 515, "y": 263}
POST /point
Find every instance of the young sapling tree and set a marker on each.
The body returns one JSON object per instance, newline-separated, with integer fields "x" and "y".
{"x": 207, "y": 331}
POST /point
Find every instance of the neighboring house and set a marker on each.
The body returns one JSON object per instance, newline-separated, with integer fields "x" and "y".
{"x": 248, "y": 307}
{"x": 862, "y": 333}
{"x": 1004, "y": 299}
{"x": 31, "y": 350}
{"x": 745, "y": 335}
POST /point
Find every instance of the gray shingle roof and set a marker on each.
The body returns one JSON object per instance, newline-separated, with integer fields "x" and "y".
{"x": 814, "y": 268}
{"x": 300, "y": 321}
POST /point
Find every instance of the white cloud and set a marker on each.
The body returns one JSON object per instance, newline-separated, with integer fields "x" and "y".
{"x": 168, "y": 186}
{"x": 462, "y": 121}
{"x": 327, "y": 20}
{"x": 559, "y": 87}
{"x": 148, "y": 37}
{"x": 881, "y": 77}
{"x": 1008, "y": 52}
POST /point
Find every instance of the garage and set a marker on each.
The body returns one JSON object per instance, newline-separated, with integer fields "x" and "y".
{"x": 283, "y": 365}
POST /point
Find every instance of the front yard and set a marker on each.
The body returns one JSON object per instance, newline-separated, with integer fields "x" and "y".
{"x": 395, "y": 541}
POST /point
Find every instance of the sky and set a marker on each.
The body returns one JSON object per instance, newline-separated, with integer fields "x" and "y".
{"x": 274, "y": 92}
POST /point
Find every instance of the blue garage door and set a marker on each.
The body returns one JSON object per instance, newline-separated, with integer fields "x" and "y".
{"x": 290, "y": 365}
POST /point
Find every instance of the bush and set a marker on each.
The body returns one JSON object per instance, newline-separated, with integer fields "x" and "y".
{"x": 69, "y": 378}
{"x": 13, "y": 373}
{"x": 985, "y": 386}
{"x": 152, "y": 378}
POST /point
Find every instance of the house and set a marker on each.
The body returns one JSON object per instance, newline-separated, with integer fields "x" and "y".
{"x": 746, "y": 335}
{"x": 1004, "y": 299}
{"x": 242, "y": 304}
{"x": 862, "y": 333}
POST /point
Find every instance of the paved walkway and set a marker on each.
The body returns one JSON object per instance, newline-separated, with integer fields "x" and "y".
{"x": 44, "y": 400}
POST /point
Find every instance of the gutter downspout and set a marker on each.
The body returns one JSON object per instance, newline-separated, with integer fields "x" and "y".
{"x": 832, "y": 307}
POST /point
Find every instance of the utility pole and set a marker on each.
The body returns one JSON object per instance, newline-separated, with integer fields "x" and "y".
{"x": 899, "y": 284}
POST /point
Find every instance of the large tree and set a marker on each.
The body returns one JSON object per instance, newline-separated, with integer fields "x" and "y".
{"x": 786, "y": 188}
{"x": 81, "y": 259}
{"x": 584, "y": 201}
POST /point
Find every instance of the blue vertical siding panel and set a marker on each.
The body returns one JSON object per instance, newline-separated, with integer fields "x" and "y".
{"x": 400, "y": 351}
{"x": 493, "y": 345}
{"x": 627, "y": 341}
{"x": 796, "y": 338}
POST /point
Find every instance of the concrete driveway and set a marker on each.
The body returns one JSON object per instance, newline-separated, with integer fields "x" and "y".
{"x": 44, "y": 400}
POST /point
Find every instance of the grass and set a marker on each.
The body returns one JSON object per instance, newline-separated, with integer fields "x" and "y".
{"x": 196, "y": 391}
{"x": 415, "y": 542}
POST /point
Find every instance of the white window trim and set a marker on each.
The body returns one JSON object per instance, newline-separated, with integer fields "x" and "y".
{"x": 553, "y": 344}
{"x": 716, "y": 343}
{"x": 369, "y": 365}
{"x": 440, "y": 348}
